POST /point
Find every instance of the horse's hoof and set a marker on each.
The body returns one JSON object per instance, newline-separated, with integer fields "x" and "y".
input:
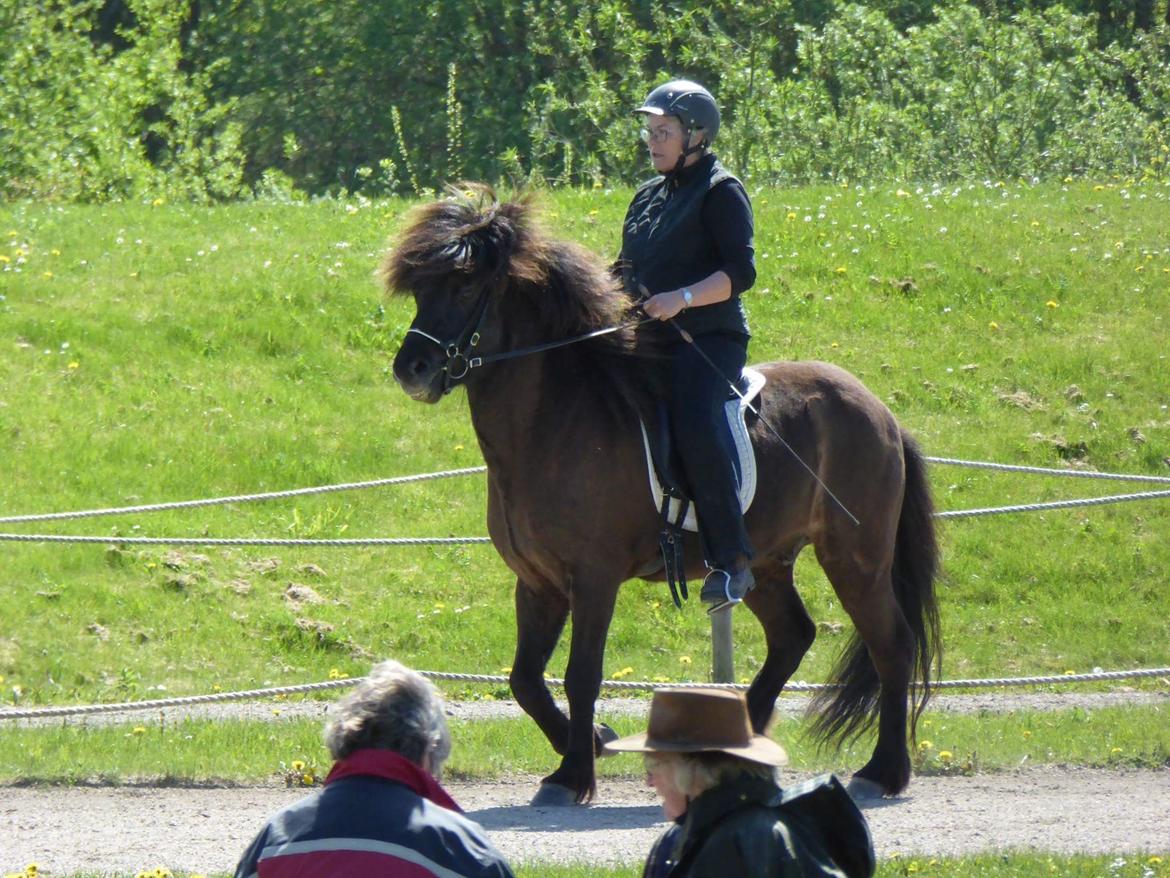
{"x": 863, "y": 789}
{"x": 553, "y": 795}
{"x": 604, "y": 736}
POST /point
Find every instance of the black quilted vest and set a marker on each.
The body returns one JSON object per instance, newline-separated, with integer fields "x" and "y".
{"x": 665, "y": 247}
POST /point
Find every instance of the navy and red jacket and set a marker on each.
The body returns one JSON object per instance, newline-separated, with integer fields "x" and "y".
{"x": 378, "y": 816}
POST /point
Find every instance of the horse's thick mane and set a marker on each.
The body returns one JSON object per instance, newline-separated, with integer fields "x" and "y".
{"x": 558, "y": 288}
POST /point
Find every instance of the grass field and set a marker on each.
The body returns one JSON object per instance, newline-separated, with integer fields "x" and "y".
{"x": 158, "y": 352}
{"x": 992, "y": 866}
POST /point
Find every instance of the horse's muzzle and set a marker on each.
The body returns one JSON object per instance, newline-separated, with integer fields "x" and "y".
{"x": 419, "y": 374}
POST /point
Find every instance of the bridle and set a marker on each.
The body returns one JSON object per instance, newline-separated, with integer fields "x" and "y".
{"x": 459, "y": 360}
{"x": 458, "y": 350}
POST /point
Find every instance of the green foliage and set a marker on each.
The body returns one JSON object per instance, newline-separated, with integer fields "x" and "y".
{"x": 216, "y": 99}
{"x": 82, "y": 121}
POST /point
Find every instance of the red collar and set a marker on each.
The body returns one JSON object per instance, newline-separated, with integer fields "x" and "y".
{"x": 389, "y": 765}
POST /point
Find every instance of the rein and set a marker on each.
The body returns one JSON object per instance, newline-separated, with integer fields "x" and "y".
{"x": 459, "y": 350}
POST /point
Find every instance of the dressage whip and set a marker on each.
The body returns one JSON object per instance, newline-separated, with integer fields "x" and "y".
{"x": 689, "y": 339}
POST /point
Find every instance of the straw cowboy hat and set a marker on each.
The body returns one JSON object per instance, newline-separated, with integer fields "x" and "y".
{"x": 701, "y": 721}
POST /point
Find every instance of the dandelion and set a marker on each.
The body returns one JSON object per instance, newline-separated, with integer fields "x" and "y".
{"x": 48, "y": 274}
{"x": 945, "y": 756}
{"x": 1051, "y": 304}
{"x": 791, "y": 215}
{"x": 1154, "y": 861}
{"x": 834, "y": 345}
{"x": 74, "y": 365}
{"x": 993, "y": 326}
{"x": 1035, "y": 224}
{"x": 4, "y": 258}
{"x": 658, "y": 678}
{"x": 624, "y": 672}
{"x": 334, "y": 674}
{"x": 1114, "y": 751}
{"x": 158, "y": 202}
{"x": 902, "y": 193}
{"x": 1027, "y": 734}
{"x": 506, "y": 670}
{"x": 925, "y": 745}
{"x": 138, "y": 730}
{"x": 307, "y": 779}
{"x": 840, "y": 269}
{"x": 684, "y": 659}
{"x": 298, "y": 765}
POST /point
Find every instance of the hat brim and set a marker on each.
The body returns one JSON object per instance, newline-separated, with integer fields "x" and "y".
{"x": 761, "y": 749}
{"x": 653, "y": 111}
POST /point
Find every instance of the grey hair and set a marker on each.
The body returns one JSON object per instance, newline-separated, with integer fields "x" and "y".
{"x": 394, "y": 708}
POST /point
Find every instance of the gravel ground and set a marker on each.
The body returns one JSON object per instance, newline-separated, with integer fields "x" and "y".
{"x": 123, "y": 830}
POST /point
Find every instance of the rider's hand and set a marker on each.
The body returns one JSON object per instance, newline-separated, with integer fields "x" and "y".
{"x": 663, "y": 306}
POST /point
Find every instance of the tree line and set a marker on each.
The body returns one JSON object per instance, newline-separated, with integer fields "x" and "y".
{"x": 223, "y": 99}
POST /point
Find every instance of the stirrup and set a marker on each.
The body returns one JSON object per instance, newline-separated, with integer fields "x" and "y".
{"x": 722, "y": 589}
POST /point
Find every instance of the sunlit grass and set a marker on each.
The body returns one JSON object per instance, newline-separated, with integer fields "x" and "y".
{"x": 170, "y": 353}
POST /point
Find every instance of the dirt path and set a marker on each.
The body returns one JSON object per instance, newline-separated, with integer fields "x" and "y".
{"x": 123, "y": 830}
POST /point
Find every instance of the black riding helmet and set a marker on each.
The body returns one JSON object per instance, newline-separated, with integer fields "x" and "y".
{"x": 691, "y": 103}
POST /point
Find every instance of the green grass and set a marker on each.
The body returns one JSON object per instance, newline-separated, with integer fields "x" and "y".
{"x": 203, "y": 751}
{"x": 1009, "y": 865}
{"x": 155, "y": 353}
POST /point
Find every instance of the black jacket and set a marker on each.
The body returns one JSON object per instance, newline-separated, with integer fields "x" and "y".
{"x": 683, "y": 227}
{"x": 753, "y": 829}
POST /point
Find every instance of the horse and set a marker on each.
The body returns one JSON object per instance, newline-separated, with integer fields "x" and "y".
{"x": 569, "y": 512}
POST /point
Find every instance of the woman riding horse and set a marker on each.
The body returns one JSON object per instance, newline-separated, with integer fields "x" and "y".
{"x": 687, "y": 241}
{"x": 496, "y": 302}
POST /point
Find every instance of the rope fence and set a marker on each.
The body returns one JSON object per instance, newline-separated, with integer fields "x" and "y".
{"x": 444, "y": 474}
{"x": 495, "y": 679}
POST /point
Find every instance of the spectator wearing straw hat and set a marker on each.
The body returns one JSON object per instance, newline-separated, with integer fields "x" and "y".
{"x": 717, "y": 782}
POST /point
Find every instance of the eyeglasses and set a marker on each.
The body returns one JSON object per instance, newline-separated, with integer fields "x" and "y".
{"x": 657, "y": 135}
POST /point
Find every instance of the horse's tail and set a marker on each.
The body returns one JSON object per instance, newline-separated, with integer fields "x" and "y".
{"x": 843, "y": 713}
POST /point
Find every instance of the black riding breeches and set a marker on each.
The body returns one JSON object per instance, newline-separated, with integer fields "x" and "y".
{"x": 704, "y": 441}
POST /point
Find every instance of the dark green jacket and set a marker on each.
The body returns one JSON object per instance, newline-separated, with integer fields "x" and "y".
{"x": 753, "y": 829}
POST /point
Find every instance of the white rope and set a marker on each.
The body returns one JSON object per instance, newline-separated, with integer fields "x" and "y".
{"x": 439, "y": 541}
{"x": 1047, "y": 471}
{"x": 495, "y": 679}
{"x": 243, "y": 498}
{"x": 1057, "y": 504}
{"x": 244, "y": 541}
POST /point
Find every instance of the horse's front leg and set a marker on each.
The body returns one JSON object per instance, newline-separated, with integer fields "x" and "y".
{"x": 540, "y": 618}
{"x": 593, "y": 601}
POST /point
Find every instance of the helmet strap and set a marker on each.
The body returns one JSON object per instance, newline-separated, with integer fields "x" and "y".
{"x": 688, "y": 150}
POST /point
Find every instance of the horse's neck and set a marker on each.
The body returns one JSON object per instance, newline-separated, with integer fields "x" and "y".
{"x": 506, "y": 408}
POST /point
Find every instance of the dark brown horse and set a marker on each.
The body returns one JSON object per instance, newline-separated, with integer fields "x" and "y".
{"x": 568, "y": 506}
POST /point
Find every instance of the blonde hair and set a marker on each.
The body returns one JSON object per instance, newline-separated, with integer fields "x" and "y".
{"x": 695, "y": 773}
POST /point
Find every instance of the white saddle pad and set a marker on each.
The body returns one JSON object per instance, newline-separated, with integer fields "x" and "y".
{"x": 735, "y": 410}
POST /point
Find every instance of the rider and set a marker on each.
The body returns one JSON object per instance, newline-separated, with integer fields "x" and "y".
{"x": 687, "y": 248}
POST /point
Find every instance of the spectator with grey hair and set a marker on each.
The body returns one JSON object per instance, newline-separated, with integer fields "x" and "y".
{"x": 382, "y": 811}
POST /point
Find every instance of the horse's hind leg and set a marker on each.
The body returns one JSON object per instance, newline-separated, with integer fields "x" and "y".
{"x": 540, "y": 618}
{"x": 867, "y": 595}
{"x": 788, "y": 630}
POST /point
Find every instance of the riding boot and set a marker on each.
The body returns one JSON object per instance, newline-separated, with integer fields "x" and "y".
{"x": 726, "y": 588}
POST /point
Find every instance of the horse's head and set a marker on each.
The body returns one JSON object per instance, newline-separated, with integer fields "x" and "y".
{"x": 455, "y": 258}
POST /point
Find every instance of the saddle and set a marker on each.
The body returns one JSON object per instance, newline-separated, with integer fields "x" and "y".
{"x": 668, "y": 488}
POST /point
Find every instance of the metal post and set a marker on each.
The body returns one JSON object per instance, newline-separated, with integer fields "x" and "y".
{"x": 722, "y": 648}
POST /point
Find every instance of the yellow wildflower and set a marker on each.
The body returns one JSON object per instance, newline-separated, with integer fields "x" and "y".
{"x": 1051, "y": 304}
{"x": 624, "y": 672}
{"x": 298, "y": 765}
{"x": 791, "y": 214}
{"x": 684, "y": 659}
{"x": 334, "y": 674}
{"x": 4, "y": 258}
{"x": 74, "y": 365}
{"x": 945, "y": 755}
{"x": 49, "y": 274}
{"x": 138, "y": 730}
{"x": 840, "y": 269}
{"x": 993, "y": 326}
{"x": 307, "y": 779}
